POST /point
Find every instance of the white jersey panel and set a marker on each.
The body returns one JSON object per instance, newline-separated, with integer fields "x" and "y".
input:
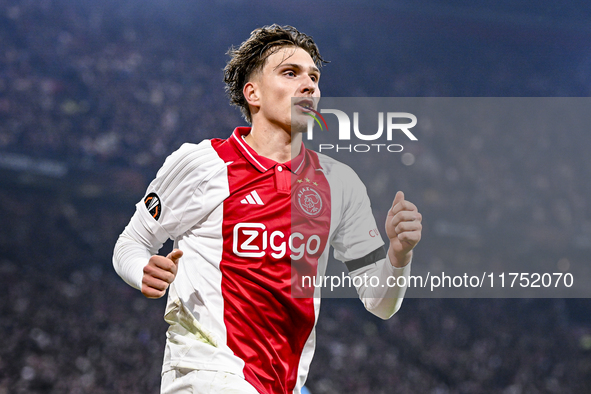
{"x": 350, "y": 235}
{"x": 196, "y": 337}
{"x": 353, "y": 230}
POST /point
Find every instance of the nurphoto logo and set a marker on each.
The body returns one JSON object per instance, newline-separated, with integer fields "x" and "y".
{"x": 395, "y": 122}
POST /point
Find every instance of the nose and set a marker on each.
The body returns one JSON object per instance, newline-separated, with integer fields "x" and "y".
{"x": 309, "y": 86}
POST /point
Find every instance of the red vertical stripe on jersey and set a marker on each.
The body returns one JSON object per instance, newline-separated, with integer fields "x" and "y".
{"x": 266, "y": 326}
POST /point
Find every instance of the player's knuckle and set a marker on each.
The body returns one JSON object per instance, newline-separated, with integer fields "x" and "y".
{"x": 171, "y": 266}
{"x": 151, "y": 293}
{"x": 170, "y": 278}
{"x": 148, "y": 281}
{"x": 153, "y": 272}
{"x": 147, "y": 291}
{"x": 156, "y": 283}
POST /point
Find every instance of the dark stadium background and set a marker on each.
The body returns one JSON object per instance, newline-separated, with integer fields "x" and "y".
{"x": 95, "y": 94}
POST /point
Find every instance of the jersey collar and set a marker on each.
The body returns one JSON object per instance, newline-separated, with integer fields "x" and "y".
{"x": 262, "y": 163}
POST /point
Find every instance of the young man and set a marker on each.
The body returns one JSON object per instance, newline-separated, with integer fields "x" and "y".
{"x": 250, "y": 218}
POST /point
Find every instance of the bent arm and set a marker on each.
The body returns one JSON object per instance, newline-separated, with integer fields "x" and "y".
{"x": 137, "y": 243}
{"x": 181, "y": 203}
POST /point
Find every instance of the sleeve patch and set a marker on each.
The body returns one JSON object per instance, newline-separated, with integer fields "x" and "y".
{"x": 153, "y": 205}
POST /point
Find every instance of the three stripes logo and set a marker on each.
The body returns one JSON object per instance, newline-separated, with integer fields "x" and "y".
{"x": 252, "y": 198}
{"x": 153, "y": 205}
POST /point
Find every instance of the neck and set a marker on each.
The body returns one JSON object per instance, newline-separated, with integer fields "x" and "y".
{"x": 276, "y": 144}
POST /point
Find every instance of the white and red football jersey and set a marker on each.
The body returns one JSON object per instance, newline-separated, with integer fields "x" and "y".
{"x": 251, "y": 229}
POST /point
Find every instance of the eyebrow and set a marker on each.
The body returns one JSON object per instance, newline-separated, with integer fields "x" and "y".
{"x": 297, "y": 66}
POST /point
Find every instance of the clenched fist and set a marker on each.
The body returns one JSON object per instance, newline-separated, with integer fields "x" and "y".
{"x": 403, "y": 226}
{"x": 159, "y": 274}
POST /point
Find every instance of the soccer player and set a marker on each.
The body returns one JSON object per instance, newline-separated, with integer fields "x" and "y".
{"x": 249, "y": 218}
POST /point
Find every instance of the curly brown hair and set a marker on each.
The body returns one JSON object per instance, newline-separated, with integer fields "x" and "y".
{"x": 252, "y": 54}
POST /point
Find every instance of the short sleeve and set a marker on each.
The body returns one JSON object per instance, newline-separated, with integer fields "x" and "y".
{"x": 356, "y": 240}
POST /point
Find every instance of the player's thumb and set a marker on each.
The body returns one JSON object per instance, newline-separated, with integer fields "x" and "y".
{"x": 175, "y": 255}
{"x": 398, "y": 198}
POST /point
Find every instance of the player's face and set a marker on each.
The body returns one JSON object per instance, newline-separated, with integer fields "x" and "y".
{"x": 289, "y": 72}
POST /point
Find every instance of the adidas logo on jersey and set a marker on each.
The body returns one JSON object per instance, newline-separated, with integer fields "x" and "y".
{"x": 253, "y": 199}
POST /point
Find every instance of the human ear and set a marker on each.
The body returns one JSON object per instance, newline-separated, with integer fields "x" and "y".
{"x": 250, "y": 92}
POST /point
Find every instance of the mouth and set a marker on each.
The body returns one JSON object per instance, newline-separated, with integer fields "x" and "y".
{"x": 306, "y": 105}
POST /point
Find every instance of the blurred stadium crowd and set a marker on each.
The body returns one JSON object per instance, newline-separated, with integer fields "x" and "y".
{"x": 111, "y": 88}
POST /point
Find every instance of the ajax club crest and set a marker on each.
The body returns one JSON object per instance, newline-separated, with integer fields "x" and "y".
{"x": 308, "y": 200}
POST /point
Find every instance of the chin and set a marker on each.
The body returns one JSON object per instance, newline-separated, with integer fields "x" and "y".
{"x": 299, "y": 123}
{"x": 299, "y": 127}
